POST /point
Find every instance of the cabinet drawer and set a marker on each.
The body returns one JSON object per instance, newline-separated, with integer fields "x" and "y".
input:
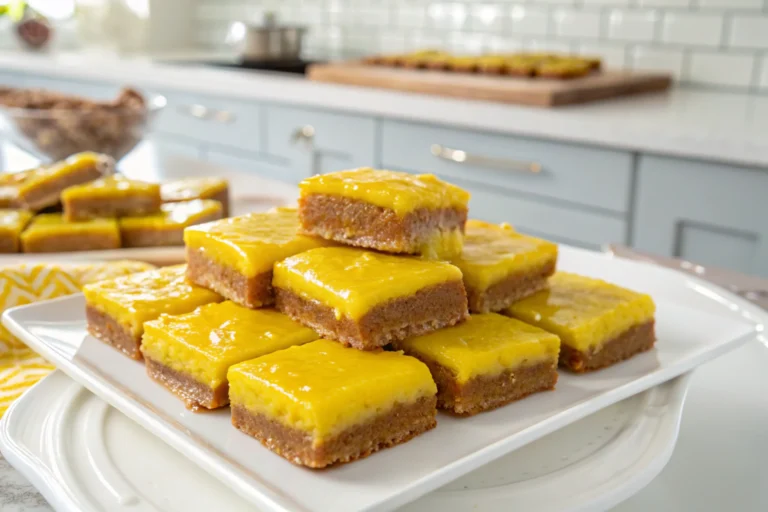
{"x": 592, "y": 177}
{"x": 321, "y": 141}
{"x": 212, "y": 120}
{"x": 573, "y": 226}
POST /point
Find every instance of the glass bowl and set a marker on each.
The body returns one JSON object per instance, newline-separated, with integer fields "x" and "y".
{"x": 64, "y": 129}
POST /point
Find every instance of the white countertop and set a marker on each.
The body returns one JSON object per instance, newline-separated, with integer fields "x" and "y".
{"x": 690, "y": 123}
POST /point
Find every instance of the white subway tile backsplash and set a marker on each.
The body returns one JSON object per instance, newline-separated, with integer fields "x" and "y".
{"x": 721, "y": 69}
{"x": 575, "y": 23}
{"x": 529, "y": 20}
{"x": 658, "y": 59}
{"x": 625, "y": 25}
{"x": 688, "y": 28}
{"x": 749, "y": 32}
{"x": 713, "y": 42}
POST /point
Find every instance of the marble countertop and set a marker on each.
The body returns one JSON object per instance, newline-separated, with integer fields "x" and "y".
{"x": 707, "y": 125}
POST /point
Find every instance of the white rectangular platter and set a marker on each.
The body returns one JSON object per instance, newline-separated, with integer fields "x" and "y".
{"x": 696, "y": 322}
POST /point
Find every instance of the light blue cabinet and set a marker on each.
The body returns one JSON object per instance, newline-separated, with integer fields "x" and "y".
{"x": 709, "y": 213}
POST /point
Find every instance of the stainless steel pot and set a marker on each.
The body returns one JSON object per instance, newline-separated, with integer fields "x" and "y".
{"x": 269, "y": 41}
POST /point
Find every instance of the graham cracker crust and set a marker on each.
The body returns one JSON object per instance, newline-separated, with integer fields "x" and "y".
{"x": 251, "y": 292}
{"x": 9, "y": 243}
{"x": 70, "y": 243}
{"x": 112, "y": 332}
{"x": 395, "y": 426}
{"x": 486, "y": 392}
{"x": 150, "y": 237}
{"x": 362, "y": 224}
{"x": 510, "y": 289}
{"x": 639, "y": 338}
{"x": 429, "y": 309}
{"x": 49, "y": 193}
{"x": 89, "y": 208}
{"x": 194, "y": 394}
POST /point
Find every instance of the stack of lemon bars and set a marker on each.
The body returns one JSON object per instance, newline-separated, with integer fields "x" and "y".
{"x": 339, "y": 327}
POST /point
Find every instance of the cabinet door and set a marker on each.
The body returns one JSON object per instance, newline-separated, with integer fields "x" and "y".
{"x": 314, "y": 142}
{"x": 258, "y": 164}
{"x": 707, "y": 213}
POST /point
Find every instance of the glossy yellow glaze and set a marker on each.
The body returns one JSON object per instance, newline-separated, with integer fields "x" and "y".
{"x": 175, "y": 215}
{"x": 53, "y": 224}
{"x": 485, "y": 344}
{"x": 206, "y": 342}
{"x": 138, "y": 298}
{"x": 443, "y": 245}
{"x": 116, "y": 186}
{"x": 12, "y": 222}
{"x": 398, "y": 191}
{"x": 192, "y": 188}
{"x": 352, "y": 281}
{"x": 323, "y": 387}
{"x": 63, "y": 168}
{"x": 584, "y": 312}
{"x": 253, "y": 243}
{"x": 492, "y": 252}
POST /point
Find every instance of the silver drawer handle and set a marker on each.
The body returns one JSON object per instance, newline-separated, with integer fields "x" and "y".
{"x": 462, "y": 157}
{"x": 208, "y": 114}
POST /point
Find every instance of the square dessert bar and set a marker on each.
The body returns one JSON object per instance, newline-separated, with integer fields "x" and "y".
{"x": 49, "y": 232}
{"x": 166, "y": 227}
{"x": 190, "y": 354}
{"x": 599, "y": 324}
{"x": 367, "y": 299}
{"x": 322, "y": 403}
{"x": 9, "y": 187}
{"x": 389, "y": 211}
{"x": 116, "y": 309}
{"x": 197, "y": 188}
{"x": 501, "y": 266}
{"x": 235, "y": 256}
{"x": 12, "y": 223}
{"x": 44, "y": 186}
{"x": 486, "y": 362}
{"x": 111, "y": 196}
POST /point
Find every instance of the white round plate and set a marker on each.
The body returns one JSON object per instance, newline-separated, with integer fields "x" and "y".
{"x": 84, "y": 455}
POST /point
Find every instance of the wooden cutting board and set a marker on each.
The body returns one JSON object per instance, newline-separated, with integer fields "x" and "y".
{"x": 525, "y": 91}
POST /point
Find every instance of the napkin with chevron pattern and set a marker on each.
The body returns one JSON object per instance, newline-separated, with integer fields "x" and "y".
{"x": 20, "y": 367}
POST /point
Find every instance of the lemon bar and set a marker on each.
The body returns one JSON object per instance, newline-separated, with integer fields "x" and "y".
{"x": 366, "y": 299}
{"x": 388, "y": 211}
{"x": 116, "y": 309}
{"x": 235, "y": 256}
{"x": 599, "y": 324}
{"x": 197, "y": 188}
{"x": 9, "y": 187}
{"x": 501, "y": 266}
{"x": 49, "y": 232}
{"x": 322, "y": 403}
{"x": 110, "y": 196}
{"x": 190, "y": 354}
{"x": 486, "y": 362}
{"x": 43, "y": 187}
{"x": 12, "y": 222}
{"x": 166, "y": 227}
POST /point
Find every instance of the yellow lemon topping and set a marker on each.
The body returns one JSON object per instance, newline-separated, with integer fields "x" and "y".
{"x": 399, "y": 191}
{"x": 192, "y": 188}
{"x": 584, "y": 312}
{"x": 352, "y": 281}
{"x": 53, "y": 224}
{"x": 485, "y": 344}
{"x": 251, "y": 244}
{"x": 135, "y": 299}
{"x": 493, "y": 252}
{"x": 111, "y": 186}
{"x": 71, "y": 165}
{"x": 324, "y": 388}
{"x": 443, "y": 245}
{"x": 12, "y": 222}
{"x": 207, "y": 341}
{"x": 175, "y": 215}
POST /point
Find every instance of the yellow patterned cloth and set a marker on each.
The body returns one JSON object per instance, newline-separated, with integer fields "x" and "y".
{"x": 20, "y": 367}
